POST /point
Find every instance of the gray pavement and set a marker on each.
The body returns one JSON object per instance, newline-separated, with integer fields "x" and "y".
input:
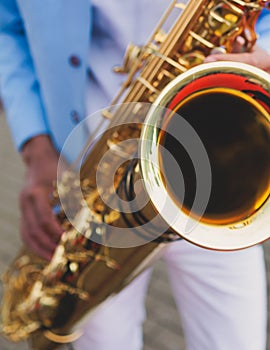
{"x": 162, "y": 329}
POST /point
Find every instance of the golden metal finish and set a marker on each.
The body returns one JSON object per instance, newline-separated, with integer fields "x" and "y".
{"x": 62, "y": 339}
{"x": 236, "y": 134}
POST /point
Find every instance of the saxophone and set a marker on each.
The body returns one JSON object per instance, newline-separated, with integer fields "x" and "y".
{"x": 105, "y": 244}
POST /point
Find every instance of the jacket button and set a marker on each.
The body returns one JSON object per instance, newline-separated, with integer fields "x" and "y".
{"x": 75, "y": 117}
{"x": 74, "y": 61}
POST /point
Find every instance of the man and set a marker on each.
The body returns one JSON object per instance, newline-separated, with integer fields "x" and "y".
{"x": 46, "y": 50}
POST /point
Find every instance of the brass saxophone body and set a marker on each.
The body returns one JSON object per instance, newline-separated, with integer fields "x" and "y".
{"x": 44, "y": 301}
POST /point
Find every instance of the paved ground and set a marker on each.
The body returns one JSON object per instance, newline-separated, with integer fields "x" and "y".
{"x": 162, "y": 328}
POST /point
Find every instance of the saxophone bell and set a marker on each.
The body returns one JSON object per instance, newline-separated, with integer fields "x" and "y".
{"x": 227, "y": 105}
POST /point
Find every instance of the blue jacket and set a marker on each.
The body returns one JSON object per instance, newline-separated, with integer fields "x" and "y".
{"x": 33, "y": 66}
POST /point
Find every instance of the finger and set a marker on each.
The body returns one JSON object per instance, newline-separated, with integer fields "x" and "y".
{"x": 239, "y": 45}
{"x": 36, "y": 241}
{"x": 33, "y": 233}
{"x": 45, "y": 217}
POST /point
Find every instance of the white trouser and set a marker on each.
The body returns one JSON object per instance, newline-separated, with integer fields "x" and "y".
{"x": 221, "y": 298}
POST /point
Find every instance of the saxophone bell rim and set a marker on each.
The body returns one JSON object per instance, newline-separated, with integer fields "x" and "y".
{"x": 238, "y": 235}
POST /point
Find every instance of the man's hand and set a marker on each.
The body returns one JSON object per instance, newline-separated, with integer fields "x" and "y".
{"x": 257, "y": 57}
{"x": 40, "y": 229}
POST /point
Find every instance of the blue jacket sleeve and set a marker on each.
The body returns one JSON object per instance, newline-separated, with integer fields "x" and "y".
{"x": 19, "y": 86}
{"x": 263, "y": 30}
